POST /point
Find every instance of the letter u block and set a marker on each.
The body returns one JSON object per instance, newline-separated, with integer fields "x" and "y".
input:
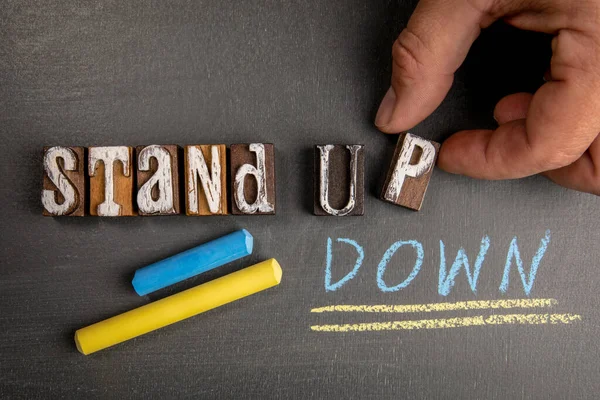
{"x": 339, "y": 180}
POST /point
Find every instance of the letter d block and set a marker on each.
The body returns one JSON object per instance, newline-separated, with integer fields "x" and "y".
{"x": 158, "y": 179}
{"x": 253, "y": 179}
{"x": 63, "y": 191}
{"x": 111, "y": 181}
{"x": 411, "y": 169}
{"x": 339, "y": 180}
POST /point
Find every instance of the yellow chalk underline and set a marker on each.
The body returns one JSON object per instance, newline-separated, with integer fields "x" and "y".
{"x": 432, "y": 307}
{"x": 525, "y": 319}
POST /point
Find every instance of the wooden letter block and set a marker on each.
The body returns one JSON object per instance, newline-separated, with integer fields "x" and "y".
{"x": 339, "y": 180}
{"x": 253, "y": 179}
{"x": 111, "y": 181}
{"x": 63, "y": 191}
{"x": 206, "y": 187}
{"x": 158, "y": 180}
{"x": 411, "y": 169}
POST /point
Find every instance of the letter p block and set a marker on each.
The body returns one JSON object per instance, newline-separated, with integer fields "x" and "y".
{"x": 410, "y": 171}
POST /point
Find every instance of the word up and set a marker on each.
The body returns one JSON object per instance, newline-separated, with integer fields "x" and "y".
{"x": 123, "y": 181}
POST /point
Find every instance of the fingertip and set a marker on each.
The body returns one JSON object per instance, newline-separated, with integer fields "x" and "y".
{"x": 406, "y": 105}
{"x": 444, "y": 159}
{"x": 512, "y": 107}
{"x": 386, "y": 111}
{"x": 464, "y": 153}
{"x": 453, "y": 152}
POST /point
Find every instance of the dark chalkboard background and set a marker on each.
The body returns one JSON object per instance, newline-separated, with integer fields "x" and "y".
{"x": 294, "y": 74}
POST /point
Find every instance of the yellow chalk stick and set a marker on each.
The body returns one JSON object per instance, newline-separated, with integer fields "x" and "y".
{"x": 178, "y": 307}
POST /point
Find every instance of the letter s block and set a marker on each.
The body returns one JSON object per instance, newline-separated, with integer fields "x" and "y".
{"x": 63, "y": 191}
{"x": 411, "y": 169}
{"x": 111, "y": 181}
{"x": 158, "y": 179}
{"x": 252, "y": 179}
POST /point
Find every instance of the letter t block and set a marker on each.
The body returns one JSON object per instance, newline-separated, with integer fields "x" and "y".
{"x": 111, "y": 181}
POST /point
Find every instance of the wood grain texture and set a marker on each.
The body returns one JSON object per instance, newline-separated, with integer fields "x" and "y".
{"x": 194, "y": 188}
{"x": 411, "y": 191}
{"x": 240, "y": 155}
{"x": 170, "y": 183}
{"x": 122, "y": 188}
{"x": 337, "y": 181}
{"x": 76, "y": 180}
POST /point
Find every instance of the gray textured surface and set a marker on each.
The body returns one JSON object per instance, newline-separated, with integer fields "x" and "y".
{"x": 294, "y": 74}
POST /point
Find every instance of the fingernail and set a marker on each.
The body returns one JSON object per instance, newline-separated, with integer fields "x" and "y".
{"x": 386, "y": 108}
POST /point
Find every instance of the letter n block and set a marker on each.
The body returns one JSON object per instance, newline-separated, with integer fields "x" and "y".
{"x": 411, "y": 169}
{"x": 63, "y": 191}
{"x": 339, "y": 180}
{"x": 252, "y": 179}
{"x": 206, "y": 179}
{"x": 158, "y": 179}
{"x": 111, "y": 181}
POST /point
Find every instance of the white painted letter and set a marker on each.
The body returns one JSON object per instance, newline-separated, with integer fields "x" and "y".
{"x": 261, "y": 203}
{"x": 211, "y": 182}
{"x": 62, "y": 183}
{"x": 404, "y": 168}
{"x": 108, "y": 156}
{"x": 163, "y": 177}
{"x": 324, "y": 180}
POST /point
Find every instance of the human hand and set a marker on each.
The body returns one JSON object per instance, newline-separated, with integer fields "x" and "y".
{"x": 554, "y": 131}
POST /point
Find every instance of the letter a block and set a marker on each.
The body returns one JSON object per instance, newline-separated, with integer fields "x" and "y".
{"x": 411, "y": 169}
{"x": 206, "y": 180}
{"x": 111, "y": 181}
{"x": 339, "y": 180}
{"x": 158, "y": 179}
{"x": 253, "y": 179}
{"x": 63, "y": 191}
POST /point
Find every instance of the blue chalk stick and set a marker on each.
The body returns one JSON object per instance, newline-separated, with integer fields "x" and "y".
{"x": 192, "y": 262}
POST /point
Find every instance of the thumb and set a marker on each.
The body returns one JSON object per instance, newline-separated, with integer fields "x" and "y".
{"x": 425, "y": 56}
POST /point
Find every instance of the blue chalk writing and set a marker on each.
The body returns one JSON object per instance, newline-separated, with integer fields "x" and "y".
{"x": 386, "y": 258}
{"x": 329, "y": 287}
{"x": 446, "y": 280}
{"x": 513, "y": 252}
